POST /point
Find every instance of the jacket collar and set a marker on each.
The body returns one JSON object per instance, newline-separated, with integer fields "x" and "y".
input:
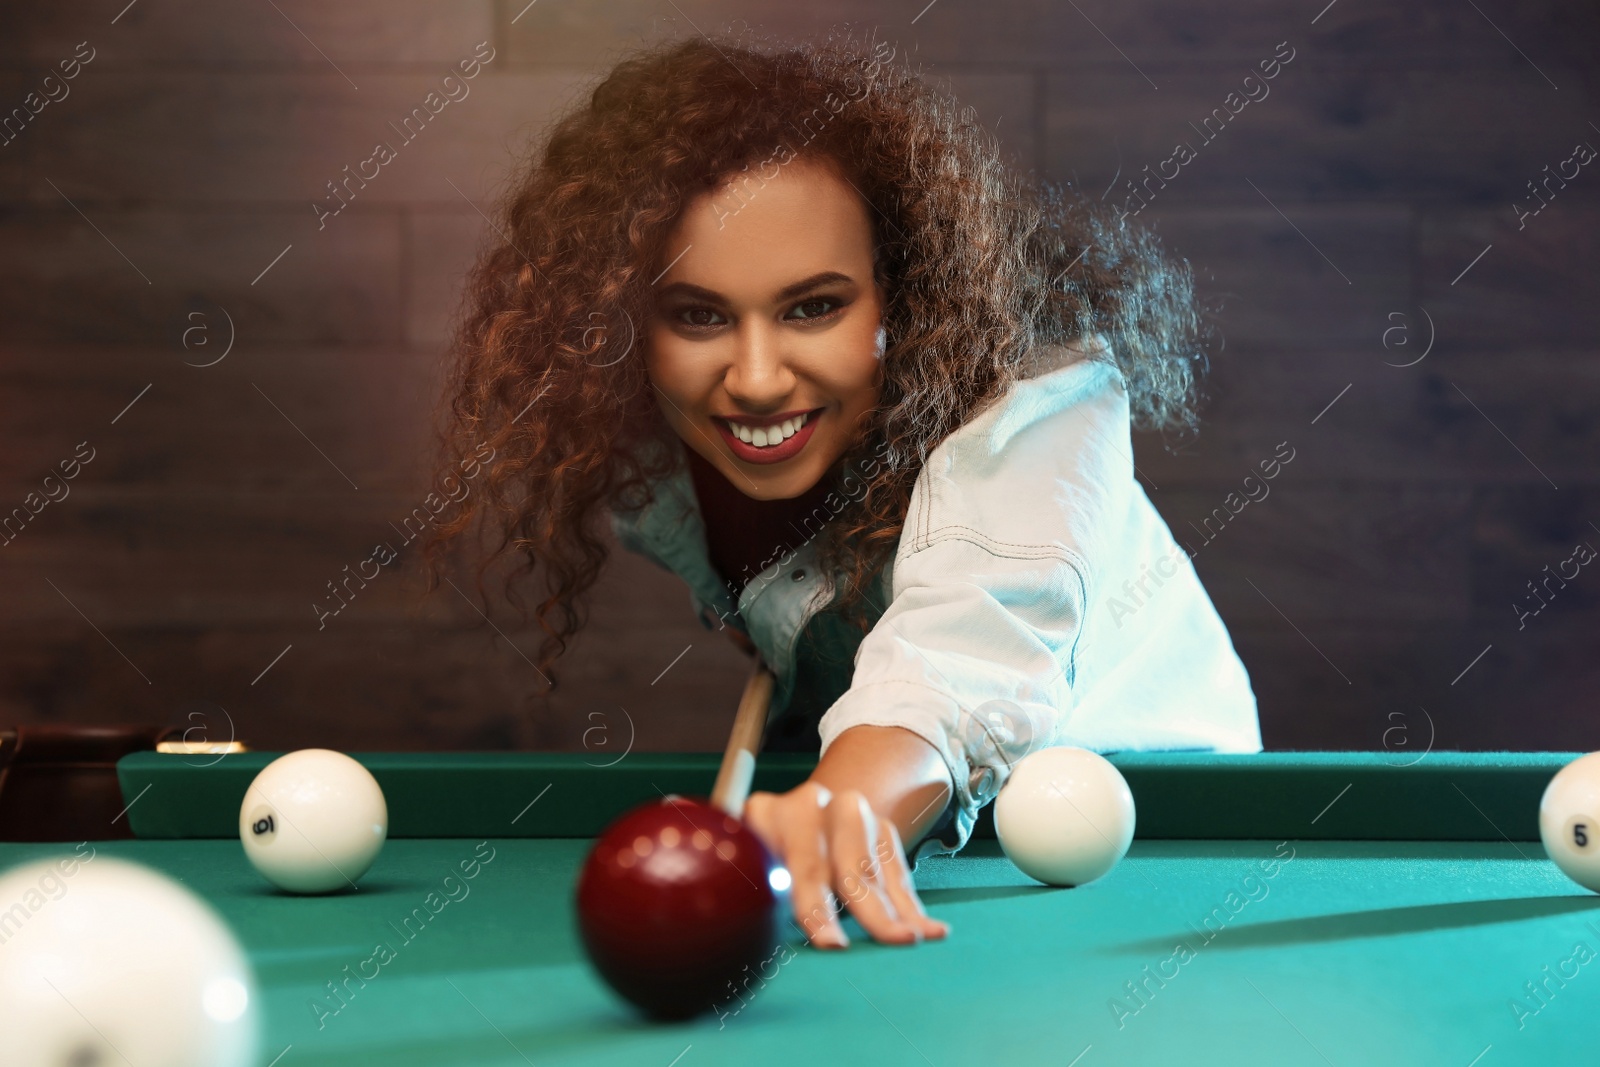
{"x": 671, "y": 527}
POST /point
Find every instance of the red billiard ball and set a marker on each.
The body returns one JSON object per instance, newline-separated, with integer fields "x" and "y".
{"x": 675, "y": 901}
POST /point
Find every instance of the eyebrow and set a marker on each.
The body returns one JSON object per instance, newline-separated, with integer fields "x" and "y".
{"x": 827, "y": 277}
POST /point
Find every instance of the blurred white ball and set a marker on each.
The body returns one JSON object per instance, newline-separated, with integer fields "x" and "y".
{"x": 105, "y": 962}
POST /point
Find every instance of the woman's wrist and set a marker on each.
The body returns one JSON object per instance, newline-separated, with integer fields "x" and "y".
{"x": 901, "y": 774}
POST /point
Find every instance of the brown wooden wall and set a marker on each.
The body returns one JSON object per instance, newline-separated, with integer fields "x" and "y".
{"x": 1359, "y": 211}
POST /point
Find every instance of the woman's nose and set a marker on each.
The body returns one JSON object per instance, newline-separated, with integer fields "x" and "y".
{"x": 759, "y": 373}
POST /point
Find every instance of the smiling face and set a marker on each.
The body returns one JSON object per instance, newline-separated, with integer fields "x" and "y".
{"x": 764, "y": 348}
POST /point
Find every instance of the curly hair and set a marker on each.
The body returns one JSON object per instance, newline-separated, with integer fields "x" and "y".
{"x": 982, "y": 267}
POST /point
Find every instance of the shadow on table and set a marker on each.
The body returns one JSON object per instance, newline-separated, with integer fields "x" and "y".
{"x": 386, "y": 887}
{"x": 962, "y": 894}
{"x": 588, "y": 1032}
{"x": 1381, "y": 922}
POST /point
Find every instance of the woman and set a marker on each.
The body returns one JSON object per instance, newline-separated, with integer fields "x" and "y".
{"x": 785, "y": 319}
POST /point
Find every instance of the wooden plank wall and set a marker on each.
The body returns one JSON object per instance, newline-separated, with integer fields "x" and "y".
{"x": 163, "y": 204}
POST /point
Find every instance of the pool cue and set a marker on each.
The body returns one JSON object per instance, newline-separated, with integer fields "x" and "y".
{"x": 749, "y": 724}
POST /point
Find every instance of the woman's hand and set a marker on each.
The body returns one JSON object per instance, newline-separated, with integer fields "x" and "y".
{"x": 838, "y": 849}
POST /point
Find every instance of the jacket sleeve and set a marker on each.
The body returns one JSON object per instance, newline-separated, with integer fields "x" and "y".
{"x": 975, "y": 652}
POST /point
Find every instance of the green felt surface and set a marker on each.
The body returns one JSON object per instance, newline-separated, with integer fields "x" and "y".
{"x": 1461, "y": 796}
{"x": 1349, "y": 953}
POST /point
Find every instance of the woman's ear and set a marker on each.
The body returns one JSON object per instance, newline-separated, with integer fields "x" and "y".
{"x": 882, "y": 292}
{"x": 880, "y": 270}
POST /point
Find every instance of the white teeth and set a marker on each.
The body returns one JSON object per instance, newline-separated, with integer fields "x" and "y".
{"x": 767, "y": 436}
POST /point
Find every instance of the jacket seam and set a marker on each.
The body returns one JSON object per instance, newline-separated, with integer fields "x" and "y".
{"x": 960, "y": 532}
{"x": 1072, "y": 560}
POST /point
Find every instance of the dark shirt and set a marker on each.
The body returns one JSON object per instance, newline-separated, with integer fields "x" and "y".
{"x": 744, "y": 536}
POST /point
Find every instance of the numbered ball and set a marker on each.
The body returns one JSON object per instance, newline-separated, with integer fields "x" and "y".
{"x": 1569, "y": 820}
{"x": 1065, "y": 816}
{"x": 313, "y": 821}
{"x": 110, "y": 962}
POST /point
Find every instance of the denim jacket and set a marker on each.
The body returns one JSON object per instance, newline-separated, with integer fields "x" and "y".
{"x": 1036, "y": 597}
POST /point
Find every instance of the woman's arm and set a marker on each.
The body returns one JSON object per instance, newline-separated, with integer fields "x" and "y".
{"x": 840, "y": 834}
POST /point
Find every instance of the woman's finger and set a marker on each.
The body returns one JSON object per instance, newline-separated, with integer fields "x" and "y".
{"x": 795, "y": 825}
{"x": 901, "y": 889}
{"x": 858, "y": 870}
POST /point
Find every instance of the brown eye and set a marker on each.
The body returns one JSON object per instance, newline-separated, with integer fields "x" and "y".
{"x": 700, "y": 317}
{"x": 812, "y": 309}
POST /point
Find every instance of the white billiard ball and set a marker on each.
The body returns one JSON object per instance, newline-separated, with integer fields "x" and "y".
{"x": 1569, "y": 820}
{"x": 313, "y": 821}
{"x": 105, "y": 962}
{"x": 1064, "y": 816}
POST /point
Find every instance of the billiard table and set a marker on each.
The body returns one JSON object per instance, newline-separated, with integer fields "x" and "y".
{"x": 1291, "y": 908}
